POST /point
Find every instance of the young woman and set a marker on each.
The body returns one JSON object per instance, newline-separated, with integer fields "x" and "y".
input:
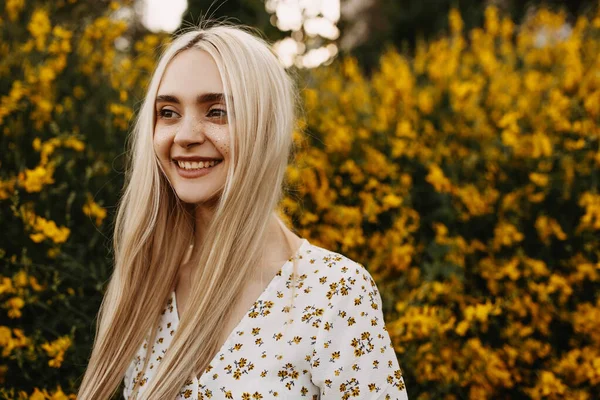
{"x": 212, "y": 295}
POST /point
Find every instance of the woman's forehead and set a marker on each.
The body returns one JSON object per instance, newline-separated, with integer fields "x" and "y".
{"x": 189, "y": 74}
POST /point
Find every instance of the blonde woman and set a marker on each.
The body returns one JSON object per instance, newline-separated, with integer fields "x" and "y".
{"x": 212, "y": 296}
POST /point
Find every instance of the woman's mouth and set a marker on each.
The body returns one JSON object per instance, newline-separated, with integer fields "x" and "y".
{"x": 193, "y": 165}
{"x": 195, "y": 169}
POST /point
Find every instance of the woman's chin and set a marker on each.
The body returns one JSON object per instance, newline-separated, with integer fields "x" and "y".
{"x": 192, "y": 199}
{"x": 195, "y": 197}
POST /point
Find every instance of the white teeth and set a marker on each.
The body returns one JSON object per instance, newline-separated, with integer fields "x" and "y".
{"x": 197, "y": 165}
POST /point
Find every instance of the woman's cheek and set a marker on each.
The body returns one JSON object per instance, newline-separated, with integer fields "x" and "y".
{"x": 162, "y": 139}
{"x": 219, "y": 136}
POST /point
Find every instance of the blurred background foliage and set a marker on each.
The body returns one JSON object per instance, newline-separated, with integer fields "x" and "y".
{"x": 459, "y": 160}
{"x": 401, "y": 23}
{"x": 368, "y": 27}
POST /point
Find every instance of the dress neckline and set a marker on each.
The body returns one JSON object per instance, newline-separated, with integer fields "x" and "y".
{"x": 281, "y": 274}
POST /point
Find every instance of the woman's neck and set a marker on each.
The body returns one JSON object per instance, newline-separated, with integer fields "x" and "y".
{"x": 279, "y": 245}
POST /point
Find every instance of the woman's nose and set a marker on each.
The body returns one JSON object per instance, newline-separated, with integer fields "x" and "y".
{"x": 190, "y": 132}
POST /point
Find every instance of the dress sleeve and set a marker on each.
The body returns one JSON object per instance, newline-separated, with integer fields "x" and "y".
{"x": 353, "y": 355}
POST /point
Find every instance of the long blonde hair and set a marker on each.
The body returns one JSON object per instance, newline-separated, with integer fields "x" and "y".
{"x": 154, "y": 229}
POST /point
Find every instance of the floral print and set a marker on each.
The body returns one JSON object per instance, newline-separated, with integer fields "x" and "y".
{"x": 332, "y": 342}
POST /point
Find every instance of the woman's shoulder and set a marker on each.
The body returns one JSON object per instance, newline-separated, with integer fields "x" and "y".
{"x": 335, "y": 273}
{"x": 330, "y": 260}
{"x": 353, "y": 352}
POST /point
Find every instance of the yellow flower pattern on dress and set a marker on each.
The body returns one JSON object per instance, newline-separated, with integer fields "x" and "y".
{"x": 331, "y": 344}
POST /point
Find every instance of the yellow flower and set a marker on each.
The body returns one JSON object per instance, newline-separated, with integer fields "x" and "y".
{"x": 462, "y": 327}
{"x": 573, "y": 145}
{"x": 37, "y": 237}
{"x": 46, "y": 150}
{"x": 507, "y": 28}
{"x": 20, "y": 279}
{"x": 546, "y": 227}
{"x": 404, "y": 129}
{"x": 46, "y": 75}
{"x": 56, "y": 349}
{"x": 392, "y": 201}
{"x": 510, "y": 269}
{"x": 477, "y": 203}
{"x": 34, "y": 284}
{"x": 586, "y": 320}
{"x": 351, "y": 168}
{"x": 122, "y": 114}
{"x": 37, "y": 395}
{"x": 350, "y": 69}
{"x": 456, "y": 22}
{"x": 542, "y": 146}
{"x": 491, "y": 20}
{"x": 438, "y": 180}
{"x": 591, "y": 219}
{"x": 53, "y": 252}
{"x": 15, "y": 304}
{"x": 425, "y": 101}
{"x": 74, "y": 144}
{"x": 538, "y": 267}
{"x": 14, "y": 8}
{"x": 510, "y": 138}
{"x": 378, "y": 164}
{"x": 548, "y": 385}
{"x": 59, "y": 395}
{"x": 39, "y": 26}
{"x": 592, "y": 104}
{"x": 46, "y": 229}
{"x": 539, "y": 179}
{"x": 33, "y": 180}
{"x": 6, "y": 285}
{"x": 5, "y": 336}
{"x": 8, "y": 342}
{"x": 92, "y": 209}
{"x": 60, "y": 45}
{"x": 506, "y": 234}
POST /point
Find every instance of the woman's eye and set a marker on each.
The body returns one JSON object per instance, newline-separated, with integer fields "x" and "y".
{"x": 166, "y": 113}
{"x": 217, "y": 112}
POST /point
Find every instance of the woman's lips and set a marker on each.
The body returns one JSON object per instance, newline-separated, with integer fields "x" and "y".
{"x": 194, "y": 173}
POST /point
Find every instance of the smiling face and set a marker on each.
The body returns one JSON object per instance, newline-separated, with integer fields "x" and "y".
{"x": 191, "y": 132}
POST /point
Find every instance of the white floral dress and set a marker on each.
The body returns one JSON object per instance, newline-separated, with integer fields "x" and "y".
{"x": 332, "y": 344}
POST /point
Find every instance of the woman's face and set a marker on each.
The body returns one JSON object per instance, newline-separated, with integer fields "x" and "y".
{"x": 191, "y": 134}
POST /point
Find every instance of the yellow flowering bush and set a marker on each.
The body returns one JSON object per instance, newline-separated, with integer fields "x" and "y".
{"x": 466, "y": 176}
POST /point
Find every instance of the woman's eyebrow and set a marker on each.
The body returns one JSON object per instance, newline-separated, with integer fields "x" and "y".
{"x": 200, "y": 99}
{"x": 210, "y": 97}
